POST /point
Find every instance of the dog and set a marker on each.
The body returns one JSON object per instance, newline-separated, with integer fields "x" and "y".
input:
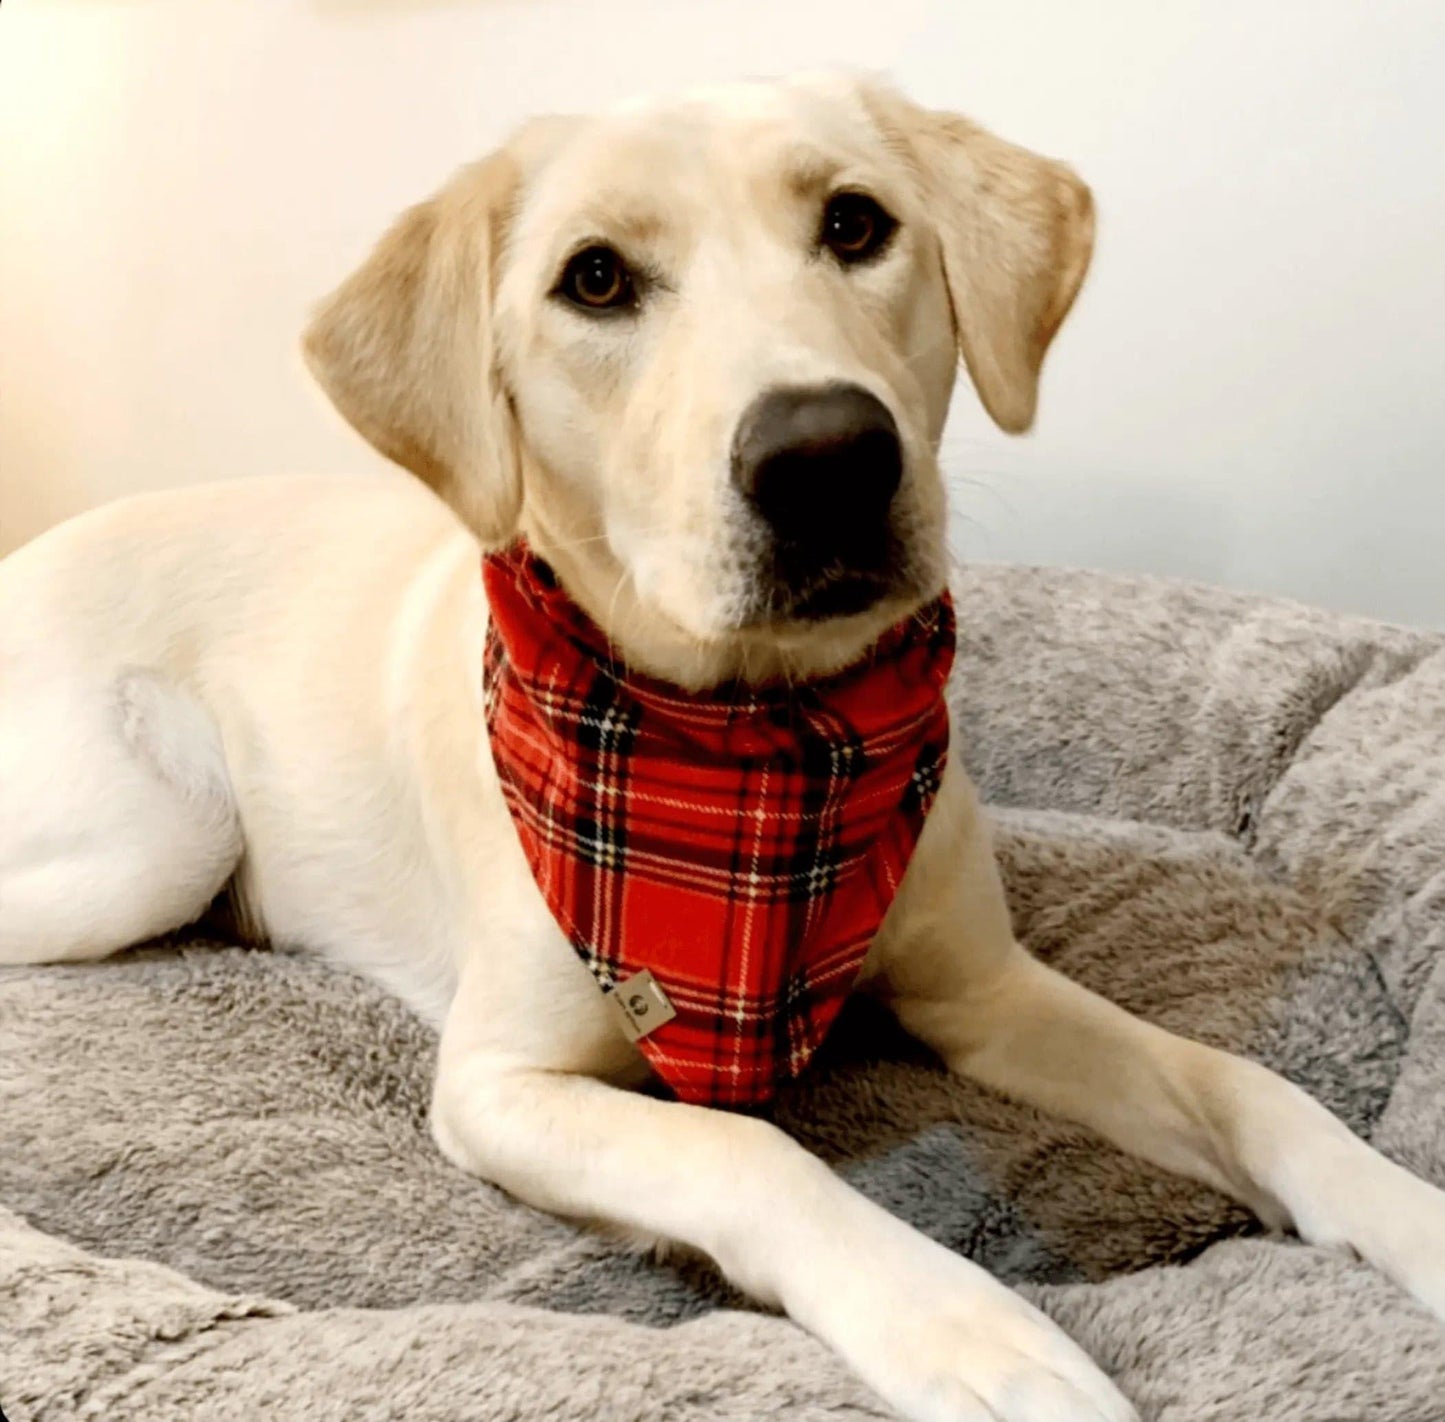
{"x": 693, "y": 359}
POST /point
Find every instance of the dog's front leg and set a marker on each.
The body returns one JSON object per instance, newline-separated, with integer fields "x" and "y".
{"x": 931, "y": 1332}
{"x": 961, "y": 982}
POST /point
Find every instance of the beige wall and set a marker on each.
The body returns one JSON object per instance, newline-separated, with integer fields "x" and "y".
{"x": 1249, "y": 392}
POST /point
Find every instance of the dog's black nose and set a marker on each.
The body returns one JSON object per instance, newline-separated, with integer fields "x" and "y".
{"x": 821, "y": 464}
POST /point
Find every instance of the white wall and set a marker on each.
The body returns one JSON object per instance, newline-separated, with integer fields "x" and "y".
{"x": 1249, "y": 391}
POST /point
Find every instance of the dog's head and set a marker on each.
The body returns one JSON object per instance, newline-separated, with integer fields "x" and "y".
{"x": 700, "y": 353}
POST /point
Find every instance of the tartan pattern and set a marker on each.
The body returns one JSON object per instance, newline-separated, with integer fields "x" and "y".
{"x": 743, "y": 843}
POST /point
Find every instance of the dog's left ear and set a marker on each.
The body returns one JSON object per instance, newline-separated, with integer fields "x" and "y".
{"x": 1016, "y": 232}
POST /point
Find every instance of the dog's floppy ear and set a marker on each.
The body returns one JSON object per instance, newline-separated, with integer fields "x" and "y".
{"x": 1016, "y": 231}
{"x": 404, "y": 348}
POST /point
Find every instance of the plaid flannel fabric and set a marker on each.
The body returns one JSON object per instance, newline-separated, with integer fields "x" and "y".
{"x": 743, "y": 844}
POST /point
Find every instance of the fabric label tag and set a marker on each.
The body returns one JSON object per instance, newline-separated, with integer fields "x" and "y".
{"x": 642, "y": 1006}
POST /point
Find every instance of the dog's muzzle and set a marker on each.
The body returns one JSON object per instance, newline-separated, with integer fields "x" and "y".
{"x": 820, "y": 466}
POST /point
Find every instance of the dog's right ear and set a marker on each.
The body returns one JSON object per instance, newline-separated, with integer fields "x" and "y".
{"x": 404, "y": 348}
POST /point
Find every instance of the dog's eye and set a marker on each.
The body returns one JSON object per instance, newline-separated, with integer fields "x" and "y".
{"x": 597, "y": 279}
{"x": 855, "y": 227}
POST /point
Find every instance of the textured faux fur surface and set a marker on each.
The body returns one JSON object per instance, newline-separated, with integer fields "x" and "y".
{"x": 1225, "y": 813}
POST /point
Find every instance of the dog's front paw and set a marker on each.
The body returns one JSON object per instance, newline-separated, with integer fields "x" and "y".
{"x": 957, "y": 1369}
{"x": 951, "y": 1344}
{"x": 1405, "y": 1237}
{"x": 1387, "y": 1216}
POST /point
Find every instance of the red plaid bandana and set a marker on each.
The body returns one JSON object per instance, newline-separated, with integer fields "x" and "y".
{"x": 742, "y": 844}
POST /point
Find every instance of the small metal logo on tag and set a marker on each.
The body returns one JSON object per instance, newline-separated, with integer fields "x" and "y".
{"x": 641, "y": 1004}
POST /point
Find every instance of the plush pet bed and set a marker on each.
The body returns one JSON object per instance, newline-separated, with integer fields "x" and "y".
{"x": 1227, "y": 814}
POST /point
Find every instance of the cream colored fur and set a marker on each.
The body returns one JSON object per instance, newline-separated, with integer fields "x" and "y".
{"x": 276, "y": 684}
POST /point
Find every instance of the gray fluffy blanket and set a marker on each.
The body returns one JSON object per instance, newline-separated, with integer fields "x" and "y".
{"x": 1225, "y": 813}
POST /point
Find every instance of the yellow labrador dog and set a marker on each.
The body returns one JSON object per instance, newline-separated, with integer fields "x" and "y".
{"x": 274, "y": 685}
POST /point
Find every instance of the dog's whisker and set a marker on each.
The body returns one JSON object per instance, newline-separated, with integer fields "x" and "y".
{"x": 623, "y": 579}
{"x": 568, "y": 545}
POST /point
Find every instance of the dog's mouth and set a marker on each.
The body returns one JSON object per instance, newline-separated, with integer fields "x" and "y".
{"x": 843, "y": 596}
{"x": 830, "y": 594}
{"x": 864, "y": 569}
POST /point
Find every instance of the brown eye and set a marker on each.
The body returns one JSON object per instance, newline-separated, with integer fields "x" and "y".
{"x": 855, "y": 227}
{"x": 597, "y": 279}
